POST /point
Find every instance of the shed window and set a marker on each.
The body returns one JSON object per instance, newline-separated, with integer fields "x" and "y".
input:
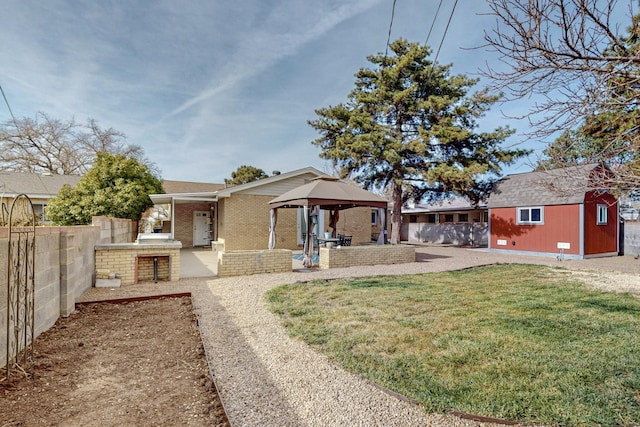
{"x": 602, "y": 215}
{"x": 534, "y": 215}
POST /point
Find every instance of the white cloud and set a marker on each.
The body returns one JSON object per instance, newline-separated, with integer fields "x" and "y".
{"x": 207, "y": 85}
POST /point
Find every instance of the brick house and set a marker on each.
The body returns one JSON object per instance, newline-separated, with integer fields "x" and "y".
{"x": 237, "y": 217}
{"x": 554, "y": 212}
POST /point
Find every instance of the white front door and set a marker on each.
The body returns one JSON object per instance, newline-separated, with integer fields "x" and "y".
{"x": 201, "y": 228}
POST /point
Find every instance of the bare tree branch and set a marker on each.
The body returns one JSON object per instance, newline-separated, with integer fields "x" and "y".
{"x": 580, "y": 61}
{"x": 60, "y": 147}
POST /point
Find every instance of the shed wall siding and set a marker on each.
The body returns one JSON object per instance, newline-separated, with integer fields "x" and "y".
{"x": 600, "y": 238}
{"x": 561, "y": 224}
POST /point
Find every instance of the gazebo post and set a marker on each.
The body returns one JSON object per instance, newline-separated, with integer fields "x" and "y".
{"x": 273, "y": 217}
{"x": 308, "y": 242}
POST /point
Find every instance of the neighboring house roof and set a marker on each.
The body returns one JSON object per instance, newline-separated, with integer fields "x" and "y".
{"x": 172, "y": 187}
{"x": 564, "y": 186}
{"x": 456, "y": 204}
{"x": 227, "y": 192}
{"x": 270, "y": 184}
{"x": 34, "y": 185}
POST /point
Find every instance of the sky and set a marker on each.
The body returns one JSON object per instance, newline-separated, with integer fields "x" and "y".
{"x": 205, "y": 86}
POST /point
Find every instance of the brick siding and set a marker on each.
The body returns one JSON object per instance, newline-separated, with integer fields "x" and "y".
{"x": 349, "y": 256}
{"x": 121, "y": 259}
{"x": 240, "y": 263}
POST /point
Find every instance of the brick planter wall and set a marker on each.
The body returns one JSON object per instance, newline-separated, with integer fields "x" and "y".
{"x": 240, "y": 263}
{"x": 350, "y": 256}
{"x": 123, "y": 259}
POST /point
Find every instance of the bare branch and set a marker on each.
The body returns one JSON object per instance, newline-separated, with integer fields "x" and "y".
{"x": 565, "y": 51}
{"x": 50, "y": 145}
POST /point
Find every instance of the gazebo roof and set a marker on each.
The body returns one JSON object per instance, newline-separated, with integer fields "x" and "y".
{"x": 328, "y": 193}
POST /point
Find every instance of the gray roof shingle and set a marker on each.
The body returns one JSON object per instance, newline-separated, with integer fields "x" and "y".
{"x": 564, "y": 186}
{"x": 33, "y": 184}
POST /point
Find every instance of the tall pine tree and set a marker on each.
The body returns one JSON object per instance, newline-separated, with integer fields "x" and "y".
{"x": 410, "y": 126}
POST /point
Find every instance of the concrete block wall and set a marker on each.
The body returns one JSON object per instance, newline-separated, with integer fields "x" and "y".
{"x": 240, "y": 263}
{"x": 47, "y": 280}
{"x": 475, "y": 234}
{"x": 350, "y": 256}
{"x": 631, "y": 238}
{"x": 64, "y": 266}
{"x": 77, "y": 264}
{"x": 115, "y": 230}
{"x": 121, "y": 259}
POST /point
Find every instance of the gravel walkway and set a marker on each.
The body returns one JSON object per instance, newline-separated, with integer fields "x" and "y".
{"x": 266, "y": 378}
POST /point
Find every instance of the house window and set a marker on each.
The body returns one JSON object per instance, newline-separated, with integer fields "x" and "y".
{"x": 431, "y": 218}
{"x": 413, "y": 218}
{"x": 374, "y": 217}
{"x": 40, "y": 211}
{"x": 463, "y": 217}
{"x": 485, "y": 216}
{"x": 530, "y": 215}
{"x": 602, "y": 214}
{"x": 448, "y": 218}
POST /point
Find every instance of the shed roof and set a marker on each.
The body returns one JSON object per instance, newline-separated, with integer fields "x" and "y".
{"x": 565, "y": 186}
{"x": 34, "y": 184}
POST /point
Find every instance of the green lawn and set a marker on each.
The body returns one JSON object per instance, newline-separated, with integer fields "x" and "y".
{"x": 519, "y": 342}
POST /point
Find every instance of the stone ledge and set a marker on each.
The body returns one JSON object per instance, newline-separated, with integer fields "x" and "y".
{"x": 139, "y": 246}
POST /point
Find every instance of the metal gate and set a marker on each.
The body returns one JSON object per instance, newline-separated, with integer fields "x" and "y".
{"x": 20, "y": 286}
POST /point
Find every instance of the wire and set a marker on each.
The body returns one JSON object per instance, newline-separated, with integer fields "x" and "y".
{"x": 426, "y": 42}
{"x": 393, "y": 12}
{"x": 445, "y": 32}
{"x": 9, "y": 108}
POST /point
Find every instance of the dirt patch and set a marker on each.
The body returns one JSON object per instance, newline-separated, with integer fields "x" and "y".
{"x": 139, "y": 363}
{"x": 609, "y": 281}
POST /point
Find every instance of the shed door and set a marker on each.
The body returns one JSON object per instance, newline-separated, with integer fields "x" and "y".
{"x": 201, "y": 228}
